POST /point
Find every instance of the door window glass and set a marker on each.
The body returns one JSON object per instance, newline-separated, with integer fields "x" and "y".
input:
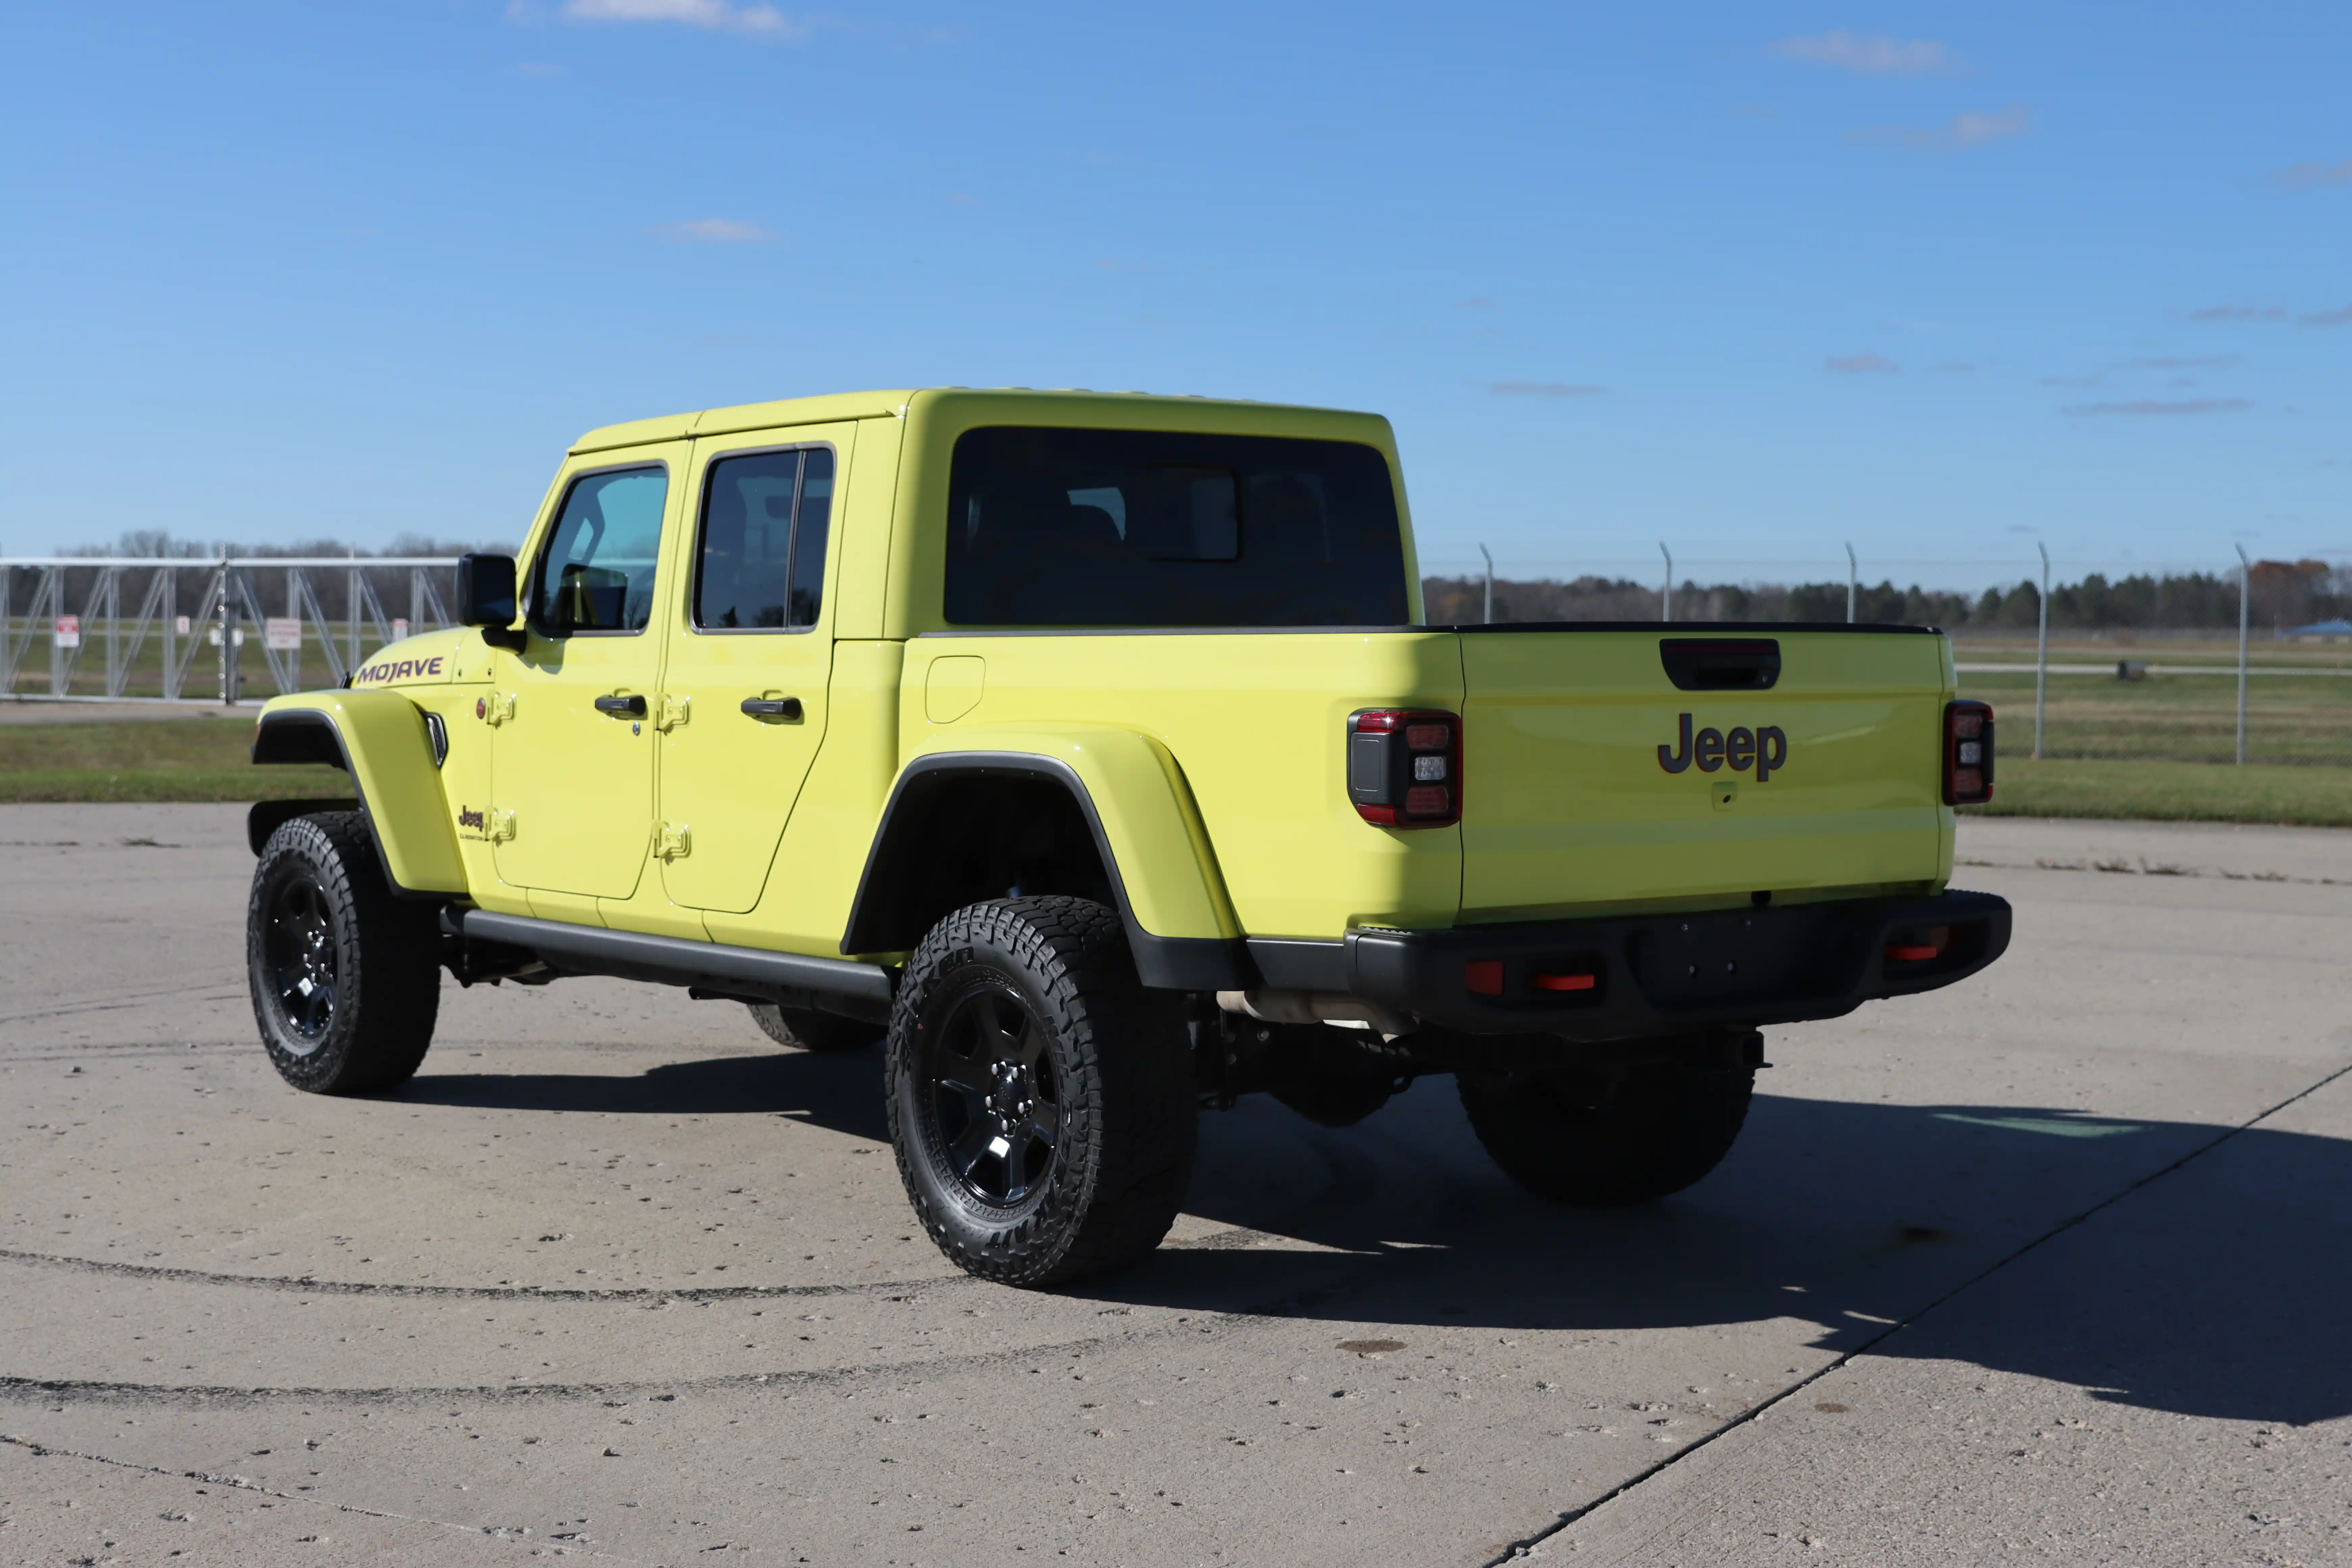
{"x": 596, "y": 573}
{"x": 761, "y": 563}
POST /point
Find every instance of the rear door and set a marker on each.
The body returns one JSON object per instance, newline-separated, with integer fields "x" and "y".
{"x": 573, "y": 761}
{"x": 744, "y": 701}
{"x": 1605, "y": 768}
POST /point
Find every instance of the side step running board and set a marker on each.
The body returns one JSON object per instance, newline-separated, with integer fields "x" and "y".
{"x": 832, "y": 984}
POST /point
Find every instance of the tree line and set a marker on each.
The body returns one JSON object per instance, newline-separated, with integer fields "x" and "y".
{"x": 2282, "y": 594}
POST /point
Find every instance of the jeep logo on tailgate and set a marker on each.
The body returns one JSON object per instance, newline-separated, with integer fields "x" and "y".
{"x": 1765, "y": 750}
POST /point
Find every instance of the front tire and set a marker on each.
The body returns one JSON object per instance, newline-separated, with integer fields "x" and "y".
{"x": 1653, "y": 1129}
{"x": 1040, "y": 1101}
{"x": 345, "y": 977}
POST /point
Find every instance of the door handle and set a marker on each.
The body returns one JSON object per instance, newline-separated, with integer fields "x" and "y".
{"x": 772, "y": 707}
{"x": 622, "y": 707}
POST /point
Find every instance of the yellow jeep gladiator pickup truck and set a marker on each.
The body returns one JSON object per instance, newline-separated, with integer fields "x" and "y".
{"x": 1093, "y": 747}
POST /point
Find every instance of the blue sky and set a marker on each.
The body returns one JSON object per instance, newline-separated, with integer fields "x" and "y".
{"x": 1945, "y": 282}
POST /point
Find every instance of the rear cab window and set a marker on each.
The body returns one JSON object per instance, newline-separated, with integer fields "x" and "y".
{"x": 1052, "y": 527}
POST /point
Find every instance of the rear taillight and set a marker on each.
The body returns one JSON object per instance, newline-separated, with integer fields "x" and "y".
{"x": 1404, "y": 767}
{"x": 1967, "y": 754}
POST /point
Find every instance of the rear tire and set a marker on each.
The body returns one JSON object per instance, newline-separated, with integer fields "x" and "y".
{"x": 806, "y": 1029}
{"x": 1656, "y": 1128}
{"x": 345, "y": 977}
{"x": 1040, "y": 1101}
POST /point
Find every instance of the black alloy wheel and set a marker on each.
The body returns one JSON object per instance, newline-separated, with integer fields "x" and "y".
{"x": 994, "y": 1104}
{"x": 345, "y": 976}
{"x": 1042, "y": 1102}
{"x": 297, "y": 960}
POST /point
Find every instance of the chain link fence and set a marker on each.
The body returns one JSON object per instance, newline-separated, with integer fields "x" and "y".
{"x": 2249, "y": 661}
{"x": 143, "y": 629}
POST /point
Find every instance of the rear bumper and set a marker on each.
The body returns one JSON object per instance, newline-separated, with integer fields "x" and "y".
{"x": 1663, "y": 974}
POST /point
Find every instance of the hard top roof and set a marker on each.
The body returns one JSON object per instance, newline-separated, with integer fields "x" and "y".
{"x": 876, "y": 405}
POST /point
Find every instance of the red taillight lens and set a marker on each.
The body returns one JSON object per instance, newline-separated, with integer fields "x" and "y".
{"x": 1482, "y": 977}
{"x": 1967, "y": 754}
{"x": 1567, "y": 982}
{"x": 1405, "y": 768}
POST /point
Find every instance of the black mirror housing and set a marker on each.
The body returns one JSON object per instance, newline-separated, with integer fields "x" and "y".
{"x": 486, "y": 598}
{"x": 486, "y": 590}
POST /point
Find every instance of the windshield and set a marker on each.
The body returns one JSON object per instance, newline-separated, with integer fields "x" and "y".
{"x": 1121, "y": 528}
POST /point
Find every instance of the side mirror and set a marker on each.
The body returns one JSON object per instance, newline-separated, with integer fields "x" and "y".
{"x": 486, "y": 598}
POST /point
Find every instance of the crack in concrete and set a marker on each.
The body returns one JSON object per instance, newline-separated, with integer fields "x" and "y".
{"x": 1526, "y": 1547}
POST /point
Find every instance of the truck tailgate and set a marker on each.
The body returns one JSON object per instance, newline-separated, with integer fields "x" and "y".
{"x": 1570, "y": 803}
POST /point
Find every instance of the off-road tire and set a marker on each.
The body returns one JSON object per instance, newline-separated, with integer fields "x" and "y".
{"x": 1657, "y": 1128}
{"x": 1121, "y": 1064}
{"x": 806, "y": 1029}
{"x": 320, "y": 906}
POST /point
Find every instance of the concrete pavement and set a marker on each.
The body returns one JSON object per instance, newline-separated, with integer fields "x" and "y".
{"x": 2049, "y": 1263}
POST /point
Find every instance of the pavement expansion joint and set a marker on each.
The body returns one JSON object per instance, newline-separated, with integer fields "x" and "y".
{"x": 1527, "y": 1546}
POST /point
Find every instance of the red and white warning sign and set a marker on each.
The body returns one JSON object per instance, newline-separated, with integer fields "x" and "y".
{"x": 69, "y": 631}
{"x": 281, "y": 634}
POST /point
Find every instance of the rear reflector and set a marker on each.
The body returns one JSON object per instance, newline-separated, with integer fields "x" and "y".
{"x": 1483, "y": 977}
{"x": 1567, "y": 982}
{"x": 1919, "y": 946}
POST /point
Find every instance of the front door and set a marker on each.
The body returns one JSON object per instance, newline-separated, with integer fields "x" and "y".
{"x": 743, "y": 694}
{"x": 573, "y": 759}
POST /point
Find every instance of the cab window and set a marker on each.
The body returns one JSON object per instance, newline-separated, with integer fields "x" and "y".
{"x": 1120, "y": 528}
{"x": 760, "y": 562}
{"x": 596, "y": 573}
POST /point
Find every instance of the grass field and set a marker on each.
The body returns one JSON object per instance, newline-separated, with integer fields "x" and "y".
{"x": 2171, "y": 792}
{"x": 2301, "y": 714}
{"x": 178, "y": 759}
{"x": 204, "y": 759}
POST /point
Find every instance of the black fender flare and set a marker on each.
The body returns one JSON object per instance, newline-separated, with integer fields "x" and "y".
{"x": 878, "y": 923}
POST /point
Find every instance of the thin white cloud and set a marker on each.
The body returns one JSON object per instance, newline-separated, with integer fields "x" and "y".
{"x": 2338, "y": 318}
{"x": 2151, "y": 407}
{"x": 711, "y": 16}
{"x": 1957, "y": 134}
{"x": 1543, "y": 389}
{"x": 717, "y": 231}
{"x": 1861, "y": 364}
{"x": 2238, "y": 314}
{"x": 1952, "y": 367}
{"x": 2299, "y": 176}
{"x": 1869, "y": 55}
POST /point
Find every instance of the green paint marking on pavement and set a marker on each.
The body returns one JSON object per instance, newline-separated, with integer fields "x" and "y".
{"x": 2054, "y": 1126}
